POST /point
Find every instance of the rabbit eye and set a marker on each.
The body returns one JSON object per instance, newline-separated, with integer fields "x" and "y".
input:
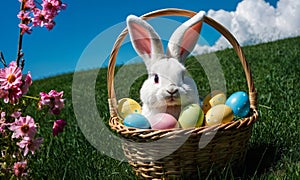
{"x": 156, "y": 78}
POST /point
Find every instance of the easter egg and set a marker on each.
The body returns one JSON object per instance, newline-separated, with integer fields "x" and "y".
{"x": 137, "y": 121}
{"x": 163, "y": 121}
{"x": 212, "y": 99}
{"x": 239, "y": 103}
{"x": 128, "y": 106}
{"x": 217, "y": 99}
{"x": 218, "y": 114}
{"x": 191, "y": 116}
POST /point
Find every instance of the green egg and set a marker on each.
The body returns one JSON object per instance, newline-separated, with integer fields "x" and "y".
{"x": 191, "y": 116}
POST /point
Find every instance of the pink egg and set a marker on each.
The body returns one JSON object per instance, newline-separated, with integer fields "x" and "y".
{"x": 163, "y": 121}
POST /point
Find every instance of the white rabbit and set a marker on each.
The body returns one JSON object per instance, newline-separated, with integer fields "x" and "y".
{"x": 168, "y": 88}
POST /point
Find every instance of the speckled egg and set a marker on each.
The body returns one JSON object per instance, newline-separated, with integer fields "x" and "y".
{"x": 218, "y": 114}
{"x": 191, "y": 116}
{"x": 163, "y": 121}
{"x": 128, "y": 106}
{"x": 217, "y": 99}
{"x": 239, "y": 103}
{"x": 137, "y": 121}
{"x": 212, "y": 99}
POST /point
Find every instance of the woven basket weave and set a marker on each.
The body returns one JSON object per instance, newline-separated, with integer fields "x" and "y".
{"x": 190, "y": 151}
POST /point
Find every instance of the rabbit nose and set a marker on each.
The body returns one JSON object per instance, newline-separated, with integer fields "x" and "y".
{"x": 172, "y": 92}
{"x": 172, "y": 89}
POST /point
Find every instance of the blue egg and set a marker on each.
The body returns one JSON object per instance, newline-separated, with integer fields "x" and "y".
{"x": 137, "y": 121}
{"x": 239, "y": 103}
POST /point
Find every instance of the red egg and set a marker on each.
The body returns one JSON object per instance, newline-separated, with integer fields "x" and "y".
{"x": 163, "y": 121}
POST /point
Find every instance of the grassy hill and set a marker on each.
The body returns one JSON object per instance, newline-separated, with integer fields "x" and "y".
{"x": 274, "y": 148}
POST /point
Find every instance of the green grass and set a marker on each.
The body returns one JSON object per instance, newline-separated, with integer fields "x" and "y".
{"x": 274, "y": 146}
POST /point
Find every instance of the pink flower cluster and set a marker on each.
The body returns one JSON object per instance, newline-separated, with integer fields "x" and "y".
{"x": 12, "y": 83}
{"x": 20, "y": 168}
{"x": 53, "y": 100}
{"x": 24, "y": 128}
{"x": 32, "y": 16}
{"x": 18, "y": 132}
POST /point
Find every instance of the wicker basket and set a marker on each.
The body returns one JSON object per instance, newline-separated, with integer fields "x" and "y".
{"x": 220, "y": 145}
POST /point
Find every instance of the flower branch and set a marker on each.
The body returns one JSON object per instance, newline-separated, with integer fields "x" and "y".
{"x": 18, "y": 130}
{"x": 31, "y": 16}
{"x": 20, "y": 41}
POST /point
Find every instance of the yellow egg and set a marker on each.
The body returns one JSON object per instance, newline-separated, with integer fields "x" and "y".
{"x": 128, "y": 106}
{"x": 218, "y": 114}
{"x": 214, "y": 98}
{"x": 191, "y": 116}
{"x": 217, "y": 99}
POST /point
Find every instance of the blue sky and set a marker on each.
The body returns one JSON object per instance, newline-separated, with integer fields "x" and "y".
{"x": 49, "y": 53}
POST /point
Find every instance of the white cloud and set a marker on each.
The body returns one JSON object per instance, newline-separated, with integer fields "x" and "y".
{"x": 256, "y": 21}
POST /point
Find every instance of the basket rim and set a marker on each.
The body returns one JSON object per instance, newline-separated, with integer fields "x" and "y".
{"x": 116, "y": 125}
{"x": 112, "y": 101}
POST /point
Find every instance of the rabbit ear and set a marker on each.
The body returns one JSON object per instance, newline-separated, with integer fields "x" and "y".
{"x": 185, "y": 37}
{"x": 145, "y": 40}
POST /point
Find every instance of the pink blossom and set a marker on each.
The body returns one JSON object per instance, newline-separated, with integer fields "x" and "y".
{"x": 53, "y": 100}
{"x": 52, "y": 7}
{"x": 29, "y": 4}
{"x": 58, "y": 126}
{"x": 12, "y": 95}
{"x": 11, "y": 85}
{"x": 16, "y": 114}
{"x": 24, "y": 16}
{"x": 49, "y": 25}
{"x": 39, "y": 18}
{"x": 20, "y": 168}
{"x": 25, "y": 28}
{"x": 10, "y": 82}
{"x": 27, "y": 83}
{"x": 45, "y": 16}
{"x": 29, "y": 144}
{"x": 23, "y": 127}
{"x": 10, "y": 76}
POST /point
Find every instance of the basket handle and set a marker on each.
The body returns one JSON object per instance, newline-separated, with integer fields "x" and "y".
{"x": 178, "y": 12}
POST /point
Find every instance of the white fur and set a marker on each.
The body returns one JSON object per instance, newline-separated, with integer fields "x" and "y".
{"x": 174, "y": 89}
